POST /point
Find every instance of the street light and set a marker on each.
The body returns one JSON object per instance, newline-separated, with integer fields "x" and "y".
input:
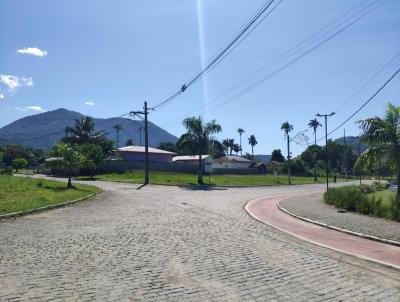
{"x": 326, "y": 145}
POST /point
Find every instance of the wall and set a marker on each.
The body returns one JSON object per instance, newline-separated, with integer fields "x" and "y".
{"x": 120, "y": 166}
{"x": 139, "y": 157}
{"x": 230, "y": 165}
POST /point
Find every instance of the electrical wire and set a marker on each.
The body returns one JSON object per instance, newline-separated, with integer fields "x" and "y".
{"x": 219, "y": 57}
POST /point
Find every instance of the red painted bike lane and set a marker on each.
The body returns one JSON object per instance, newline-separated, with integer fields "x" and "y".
{"x": 266, "y": 210}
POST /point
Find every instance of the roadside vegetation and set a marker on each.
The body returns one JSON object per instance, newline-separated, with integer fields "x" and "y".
{"x": 21, "y": 194}
{"x": 186, "y": 179}
{"x": 372, "y": 199}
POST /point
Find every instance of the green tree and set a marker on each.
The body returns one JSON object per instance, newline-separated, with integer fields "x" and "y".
{"x": 240, "y": 131}
{"x": 252, "y": 143}
{"x": 91, "y": 156}
{"x": 19, "y": 163}
{"x": 71, "y": 158}
{"x": 199, "y": 139}
{"x": 276, "y": 155}
{"x": 382, "y": 135}
{"x": 236, "y": 148}
{"x": 117, "y": 128}
{"x": 287, "y": 128}
{"x": 169, "y": 147}
{"x": 129, "y": 142}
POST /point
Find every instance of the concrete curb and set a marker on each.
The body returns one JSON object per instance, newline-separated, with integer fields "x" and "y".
{"x": 42, "y": 209}
{"x": 368, "y": 259}
{"x": 325, "y": 225}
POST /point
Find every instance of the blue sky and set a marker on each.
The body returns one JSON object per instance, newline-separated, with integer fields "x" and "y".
{"x": 104, "y": 58}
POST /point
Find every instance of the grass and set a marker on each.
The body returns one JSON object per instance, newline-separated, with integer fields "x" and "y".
{"x": 21, "y": 194}
{"x": 186, "y": 179}
{"x": 385, "y": 195}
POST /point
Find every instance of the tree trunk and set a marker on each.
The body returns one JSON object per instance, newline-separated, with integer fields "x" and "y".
{"x": 315, "y": 157}
{"x": 69, "y": 185}
{"x": 252, "y": 153}
{"x": 200, "y": 171}
{"x": 398, "y": 178}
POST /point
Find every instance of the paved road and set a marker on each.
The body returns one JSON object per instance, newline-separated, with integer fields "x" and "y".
{"x": 175, "y": 244}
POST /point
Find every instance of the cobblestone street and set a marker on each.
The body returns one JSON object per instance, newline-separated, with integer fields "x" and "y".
{"x": 175, "y": 244}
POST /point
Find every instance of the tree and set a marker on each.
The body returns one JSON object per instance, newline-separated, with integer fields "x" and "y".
{"x": 91, "y": 156}
{"x": 19, "y": 163}
{"x": 382, "y": 135}
{"x": 117, "y": 128}
{"x": 240, "y": 131}
{"x": 199, "y": 139}
{"x": 287, "y": 128}
{"x": 169, "y": 147}
{"x": 83, "y": 132}
{"x": 71, "y": 158}
{"x": 314, "y": 124}
{"x": 225, "y": 144}
{"x": 252, "y": 143}
{"x": 277, "y": 156}
{"x": 236, "y": 148}
{"x": 129, "y": 142}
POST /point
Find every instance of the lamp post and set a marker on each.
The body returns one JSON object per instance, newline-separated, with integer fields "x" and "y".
{"x": 326, "y": 146}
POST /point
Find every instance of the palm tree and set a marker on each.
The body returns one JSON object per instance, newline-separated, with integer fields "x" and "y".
{"x": 199, "y": 139}
{"x": 382, "y": 135}
{"x": 240, "y": 131}
{"x": 252, "y": 143}
{"x": 314, "y": 124}
{"x": 236, "y": 148}
{"x": 118, "y": 128}
{"x": 83, "y": 132}
{"x": 287, "y": 128}
{"x": 226, "y": 145}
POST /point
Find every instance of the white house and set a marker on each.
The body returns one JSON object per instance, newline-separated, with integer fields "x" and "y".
{"x": 231, "y": 162}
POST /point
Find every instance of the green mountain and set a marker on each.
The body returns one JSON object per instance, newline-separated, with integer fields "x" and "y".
{"x": 353, "y": 141}
{"x": 46, "y": 129}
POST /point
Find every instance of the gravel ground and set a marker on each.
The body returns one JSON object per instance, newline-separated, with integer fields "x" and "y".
{"x": 164, "y": 243}
{"x": 314, "y": 208}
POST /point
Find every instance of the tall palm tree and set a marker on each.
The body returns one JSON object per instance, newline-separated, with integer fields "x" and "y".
{"x": 240, "y": 131}
{"x": 117, "y": 128}
{"x": 236, "y": 148}
{"x": 287, "y": 128}
{"x": 83, "y": 132}
{"x": 252, "y": 143}
{"x": 199, "y": 139}
{"x": 382, "y": 135}
{"x": 314, "y": 124}
{"x": 226, "y": 145}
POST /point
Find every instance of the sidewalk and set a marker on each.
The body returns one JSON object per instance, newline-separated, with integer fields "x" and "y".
{"x": 267, "y": 211}
{"x": 312, "y": 207}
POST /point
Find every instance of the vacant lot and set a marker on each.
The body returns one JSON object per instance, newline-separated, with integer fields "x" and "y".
{"x": 21, "y": 194}
{"x": 171, "y": 178}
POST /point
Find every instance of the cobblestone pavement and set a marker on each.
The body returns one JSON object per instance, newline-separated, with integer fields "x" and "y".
{"x": 314, "y": 208}
{"x": 175, "y": 244}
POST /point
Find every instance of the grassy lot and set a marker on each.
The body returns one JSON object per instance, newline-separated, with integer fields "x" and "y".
{"x": 217, "y": 180}
{"x": 20, "y": 193}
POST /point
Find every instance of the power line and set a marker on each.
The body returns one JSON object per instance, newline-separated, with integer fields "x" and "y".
{"x": 363, "y": 105}
{"x": 219, "y": 57}
{"x": 312, "y": 38}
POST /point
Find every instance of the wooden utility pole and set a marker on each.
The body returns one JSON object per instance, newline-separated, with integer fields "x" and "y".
{"x": 145, "y": 113}
{"x": 326, "y": 146}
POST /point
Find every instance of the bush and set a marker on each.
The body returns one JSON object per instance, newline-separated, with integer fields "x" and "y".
{"x": 355, "y": 199}
{"x": 6, "y": 171}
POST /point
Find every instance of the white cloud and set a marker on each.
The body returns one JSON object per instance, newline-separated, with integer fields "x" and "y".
{"x": 34, "y": 51}
{"x": 14, "y": 82}
{"x": 30, "y": 108}
{"x": 89, "y": 103}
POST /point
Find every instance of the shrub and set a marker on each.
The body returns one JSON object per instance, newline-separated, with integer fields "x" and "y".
{"x": 6, "y": 171}
{"x": 349, "y": 198}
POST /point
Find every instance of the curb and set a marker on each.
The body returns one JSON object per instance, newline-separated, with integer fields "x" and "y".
{"x": 364, "y": 258}
{"x": 42, "y": 209}
{"x": 325, "y": 225}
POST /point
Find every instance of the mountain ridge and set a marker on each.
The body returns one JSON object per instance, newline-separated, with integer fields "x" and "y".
{"x": 45, "y": 129}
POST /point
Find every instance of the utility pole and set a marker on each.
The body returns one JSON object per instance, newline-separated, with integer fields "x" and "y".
{"x": 359, "y": 154}
{"x": 140, "y": 135}
{"x": 326, "y": 146}
{"x": 345, "y": 153}
{"x": 144, "y": 113}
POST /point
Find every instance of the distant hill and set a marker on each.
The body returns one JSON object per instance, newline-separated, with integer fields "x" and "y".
{"x": 46, "y": 129}
{"x": 353, "y": 141}
{"x": 262, "y": 158}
